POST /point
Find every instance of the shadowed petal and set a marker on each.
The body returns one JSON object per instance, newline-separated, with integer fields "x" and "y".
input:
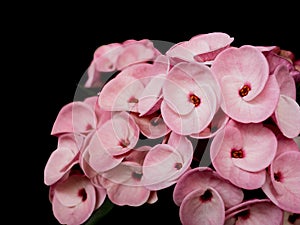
{"x": 202, "y": 207}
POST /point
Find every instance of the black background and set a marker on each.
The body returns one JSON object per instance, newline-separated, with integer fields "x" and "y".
{"x": 60, "y": 52}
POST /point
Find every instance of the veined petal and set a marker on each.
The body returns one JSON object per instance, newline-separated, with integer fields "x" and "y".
{"x": 256, "y": 110}
{"x": 202, "y": 207}
{"x": 75, "y": 117}
{"x": 287, "y": 116}
{"x": 246, "y": 63}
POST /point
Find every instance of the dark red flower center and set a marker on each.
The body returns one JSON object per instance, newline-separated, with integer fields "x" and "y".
{"x": 195, "y": 100}
{"x": 82, "y": 194}
{"x": 178, "y": 166}
{"x": 278, "y": 176}
{"x": 124, "y": 143}
{"x": 207, "y": 196}
{"x": 237, "y": 153}
{"x": 244, "y": 90}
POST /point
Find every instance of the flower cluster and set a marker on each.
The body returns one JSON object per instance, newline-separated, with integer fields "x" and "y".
{"x": 136, "y": 135}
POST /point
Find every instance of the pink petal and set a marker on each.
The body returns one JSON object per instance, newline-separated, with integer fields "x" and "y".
{"x": 93, "y": 77}
{"x": 119, "y": 135}
{"x": 220, "y": 152}
{"x": 285, "y": 81}
{"x": 74, "y": 200}
{"x": 256, "y": 110}
{"x": 203, "y": 178}
{"x": 286, "y": 168}
{"x": 100, "y": 196}
{"x": 218, "y": 122}
{"x": 136, "y": 52}
{"x": 72, "y": 141}
{"x": 160, "y": 164}
{"x": 97, "y": 157}
{"x": 121, "y": 94}
{"x": 260, "y": 212}
{"x": 197, "y": 209}
{"x": 151, "y": 94}
{"x": 75, "y": 117}
{"x": 259, "y": 146}
{"x": 105, "y": 57}
{"x": 152, "y": 126}
{"x": 60, "y": 161}
{"x": 285, "y": 144}
{"x": 246, "y": 63}
{"x": 287, "y": 116}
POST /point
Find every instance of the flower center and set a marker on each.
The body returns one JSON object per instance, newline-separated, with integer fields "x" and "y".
{"x": 178, "y": 166}
{"x": 206, "y": 196}
{"x": 244, "y": 90}
{"x": 133, "y": 100}
{"x": 82, "y": 194}
{"x": 244, "y": 214}
{"x": 292, "y": 218}
{"x": 195, "y": 99}
{"x": 137, "y": 175}
{"x": 237, "y": 153}
{"x": 124, "y": 143}
{"x": 278, "y": 176}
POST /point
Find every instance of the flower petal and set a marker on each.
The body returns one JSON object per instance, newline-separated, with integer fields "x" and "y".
{"x": 203, "y": 178}
{"x": 287, "y": 116}
{"x": 202, "y": 207}
{"x": 75, "y": 117}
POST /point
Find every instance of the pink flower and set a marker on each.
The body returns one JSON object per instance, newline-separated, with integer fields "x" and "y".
{"x": 282, "y": 184}
{"x": 117, "y": 56}
{"x": 75, "y": 199}
{"x": 125, "y": 91}
{"x": 202, "y": 178}
{"x": 287, "y": 112}
{"x": 201, "y": 48}
{"x": 63, "y": 158}
{"x": 109, "y": 144}
{"x": 252, "y": 212}
{"x": 124, "y": 182}
{"x": 191, "y": 98}
{"x": 249, "y": 93}
{"x": 165, "y": 163}
{"x": 242, "y": 152}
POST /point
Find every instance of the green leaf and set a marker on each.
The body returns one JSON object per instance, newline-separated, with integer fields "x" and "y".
{"x": 105, "y": 208}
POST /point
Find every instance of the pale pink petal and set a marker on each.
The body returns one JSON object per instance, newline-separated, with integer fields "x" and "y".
{"x": 285, "y": 177}
{"x": 151, "y": 94}
{"x": 285, "y": 81}
{"x": 105, "y": 57}
{"x": 119, "y": 134}
{"x": 287, "y": 116}
{"x": 161, "y": 163}
{"x": 256, "y": 110}
{"x": 202, "y": 178}
{"x": 259, "y": 147}
{"x": 257, "y": 212}
{"x": 136, "y": 52}
{"x": 97, "y": 157}
{"x": 153, "y": 197}
{"x": 246, "y": 63}
{"x": 124, "y": 185}
{"x": 182, "y": 124}
{"x": 220, "y": 151}
{"x": 93, "y": 77}
{"x": 100, "y": 196}
{"x": 218, "y": 122}
{"x": 285, "y": 144}
{"x": 72, "y": 141}
{"x": 60, "y": 161}
{"x": 121, "y": 93}
{"x": 202, "y": 207}
{"x": 74, "y": 200}
{"x": 152, "y": 126}
{"x": 75, "y": 117}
